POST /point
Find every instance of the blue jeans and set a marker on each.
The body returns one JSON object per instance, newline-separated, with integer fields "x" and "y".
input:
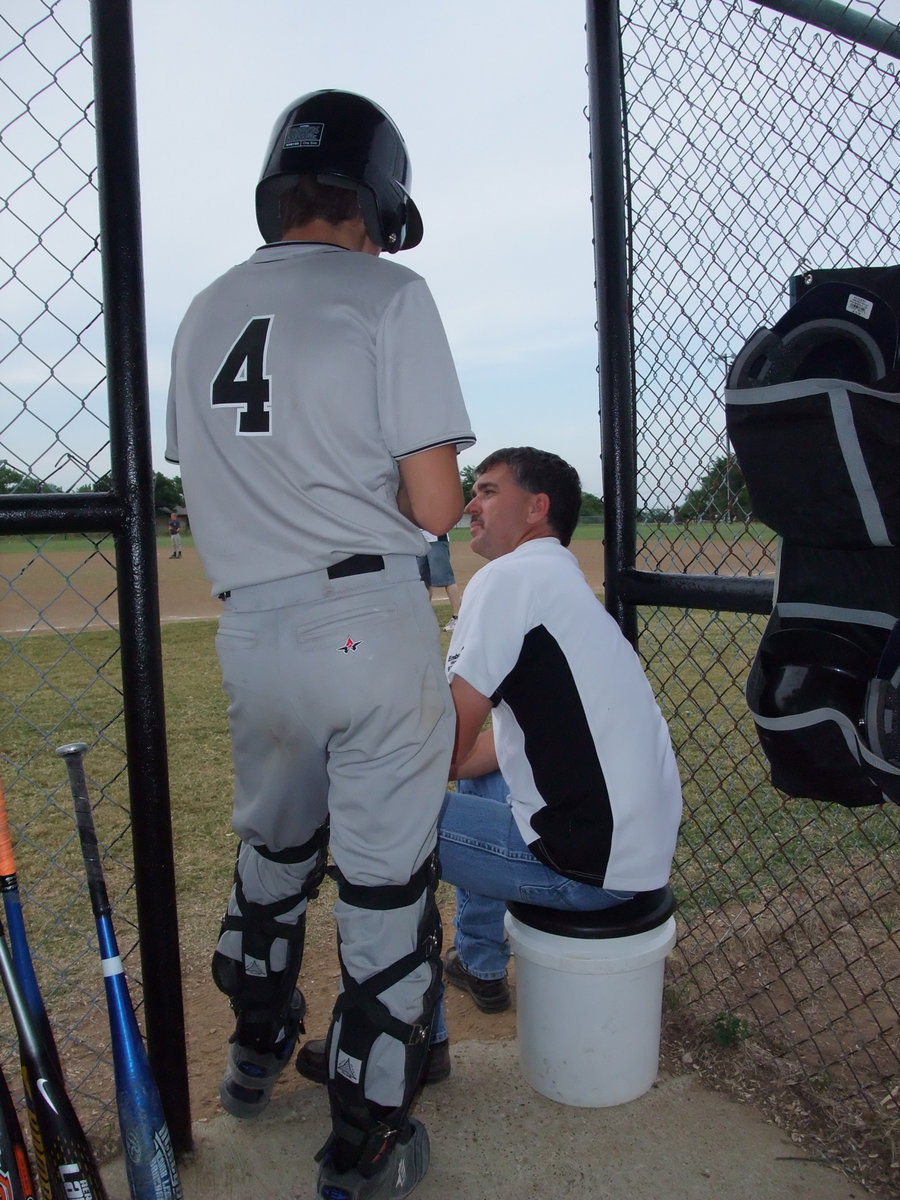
{"x": 483, "y": 854}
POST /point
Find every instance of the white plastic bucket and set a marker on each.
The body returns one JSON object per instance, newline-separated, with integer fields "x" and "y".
{"x": 589, "y": 1012}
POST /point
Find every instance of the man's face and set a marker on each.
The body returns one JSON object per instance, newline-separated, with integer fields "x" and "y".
{"x": 503, "y": 514}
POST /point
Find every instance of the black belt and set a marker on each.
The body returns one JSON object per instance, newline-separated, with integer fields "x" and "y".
{"x": 356, "y": 564}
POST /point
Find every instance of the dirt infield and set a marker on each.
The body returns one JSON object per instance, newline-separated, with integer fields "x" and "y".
{"x": 75, "y": 589}
{"x": 72, "y": 589}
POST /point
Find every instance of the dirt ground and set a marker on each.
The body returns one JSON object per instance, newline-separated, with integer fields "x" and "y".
{"x": 70, "y": 590}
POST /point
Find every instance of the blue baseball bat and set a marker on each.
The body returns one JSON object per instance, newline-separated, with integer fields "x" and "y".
{"x": 149, "y": 1160}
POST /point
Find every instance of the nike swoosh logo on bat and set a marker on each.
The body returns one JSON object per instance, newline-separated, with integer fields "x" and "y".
{"x": 43, "y": 1090}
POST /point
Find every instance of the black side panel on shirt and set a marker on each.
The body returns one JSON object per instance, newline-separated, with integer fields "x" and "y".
{"x": 575, "y": 829}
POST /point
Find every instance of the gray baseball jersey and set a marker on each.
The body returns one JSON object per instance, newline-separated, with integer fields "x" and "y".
{"x": 290, "y": 408}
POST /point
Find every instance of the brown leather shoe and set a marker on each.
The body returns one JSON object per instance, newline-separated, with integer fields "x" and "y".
{"x": 490, "y": 995}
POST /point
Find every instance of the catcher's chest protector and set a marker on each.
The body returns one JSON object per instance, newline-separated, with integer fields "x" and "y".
{"x": 813, "y": 412}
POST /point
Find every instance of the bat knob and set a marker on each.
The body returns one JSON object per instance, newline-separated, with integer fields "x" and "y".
{"x": 71, "y": 749}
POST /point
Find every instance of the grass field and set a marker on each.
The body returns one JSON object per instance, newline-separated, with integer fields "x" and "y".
{"x": 591, "y": 531}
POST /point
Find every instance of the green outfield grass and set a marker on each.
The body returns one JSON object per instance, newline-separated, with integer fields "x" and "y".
{"x": 47, "y": 543}
{"x": 591, "y": 531}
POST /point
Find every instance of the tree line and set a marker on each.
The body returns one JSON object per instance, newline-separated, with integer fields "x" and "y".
{"x": 721, "y": 494}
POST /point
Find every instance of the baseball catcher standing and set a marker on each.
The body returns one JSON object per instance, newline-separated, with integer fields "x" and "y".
{"x": 316, "y": 414}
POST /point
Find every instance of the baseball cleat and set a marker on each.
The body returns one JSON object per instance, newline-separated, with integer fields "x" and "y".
{"x": 403, "y": 1171}
{"x": 250, "y": 1073}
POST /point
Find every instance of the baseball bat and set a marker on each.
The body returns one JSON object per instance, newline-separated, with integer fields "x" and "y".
{"x": 66, "y": 1166}
{"x": 15, "y": 1171}
{"x": 18, "y": 942}
{"x": 149, "y": 1160}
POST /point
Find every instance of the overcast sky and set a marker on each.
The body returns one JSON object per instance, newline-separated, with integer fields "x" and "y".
{"x": 490, "y": 98}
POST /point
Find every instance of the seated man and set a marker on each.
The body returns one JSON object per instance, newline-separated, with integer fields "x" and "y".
{"x": 572, "y": 799}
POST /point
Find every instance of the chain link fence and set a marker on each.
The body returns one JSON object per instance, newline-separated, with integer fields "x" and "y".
{"x": 758, "y": 148}
{"x": 60, "y": 673}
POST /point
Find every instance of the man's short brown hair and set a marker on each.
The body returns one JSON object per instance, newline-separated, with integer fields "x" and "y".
{"x": 539, "y": 471}
{"x": 309, "y": 199}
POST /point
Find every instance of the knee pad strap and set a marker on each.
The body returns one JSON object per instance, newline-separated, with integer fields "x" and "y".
{"x": 387, "y": 895}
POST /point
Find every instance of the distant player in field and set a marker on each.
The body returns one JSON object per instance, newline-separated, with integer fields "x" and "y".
{"x": 437, "y": 572}
{"x": 175, "y": 535}
{"x": 317, "y": 416}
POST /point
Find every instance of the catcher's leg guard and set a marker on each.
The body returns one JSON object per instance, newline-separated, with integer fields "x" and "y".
{"x": 363, "y": 1131}
{"x": 257, "y": 959}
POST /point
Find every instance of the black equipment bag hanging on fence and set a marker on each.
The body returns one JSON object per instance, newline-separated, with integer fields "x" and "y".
{"x": 813, "y": 413}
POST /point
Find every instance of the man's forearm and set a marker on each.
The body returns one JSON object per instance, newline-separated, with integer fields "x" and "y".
{"x": 481, "y": 761}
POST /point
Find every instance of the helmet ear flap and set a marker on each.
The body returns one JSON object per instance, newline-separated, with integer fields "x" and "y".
{"x": 398, "y": 229}
{"x": 805, "y": 669}
{"x": 410, "y": 222}
{"x": 372, "y": 220}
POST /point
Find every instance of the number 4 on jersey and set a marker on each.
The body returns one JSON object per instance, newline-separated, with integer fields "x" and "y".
{"x": 242, "y": 381}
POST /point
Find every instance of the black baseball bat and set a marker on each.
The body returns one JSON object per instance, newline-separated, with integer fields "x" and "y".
{"x": 149, "y": 1160}
{"x": 15, "y": 1170}
{"x": 66, "y": 1166}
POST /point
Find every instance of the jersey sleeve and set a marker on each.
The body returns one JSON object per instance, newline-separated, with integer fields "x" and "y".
{"x": 496, "y": 612}
{"x": 419, "y": 397}
{"x": 171, "y": 420}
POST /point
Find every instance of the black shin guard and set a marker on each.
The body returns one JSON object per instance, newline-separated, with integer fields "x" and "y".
{"x": 262, "y": 1003}
{"x": 261, "y": 997}
{"x": 364, "y": 1132}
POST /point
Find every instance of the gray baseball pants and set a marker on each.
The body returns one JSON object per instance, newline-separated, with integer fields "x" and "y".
{"x": 339, "y": 708}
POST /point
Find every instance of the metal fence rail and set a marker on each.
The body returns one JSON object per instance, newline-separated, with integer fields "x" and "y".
{"x": 757, "y": 147}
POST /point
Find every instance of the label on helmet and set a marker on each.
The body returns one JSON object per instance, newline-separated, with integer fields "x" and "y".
{"x": 307, "y": 134}
{"x": 860, "y": 307}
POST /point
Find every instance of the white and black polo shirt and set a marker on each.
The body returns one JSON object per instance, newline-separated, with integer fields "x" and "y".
{"x": 580, "y": 739}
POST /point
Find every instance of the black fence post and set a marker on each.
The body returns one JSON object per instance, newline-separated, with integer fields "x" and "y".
{"x": 615, "y": 366}
{"x": 132, "y": 473}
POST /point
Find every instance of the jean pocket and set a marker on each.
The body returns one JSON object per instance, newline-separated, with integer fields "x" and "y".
{"x": 550, "y": 895}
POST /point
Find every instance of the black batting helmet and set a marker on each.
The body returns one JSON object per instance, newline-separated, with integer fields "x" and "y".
{"x": 348, "y": 141}
{"x": 807, "y": 669}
